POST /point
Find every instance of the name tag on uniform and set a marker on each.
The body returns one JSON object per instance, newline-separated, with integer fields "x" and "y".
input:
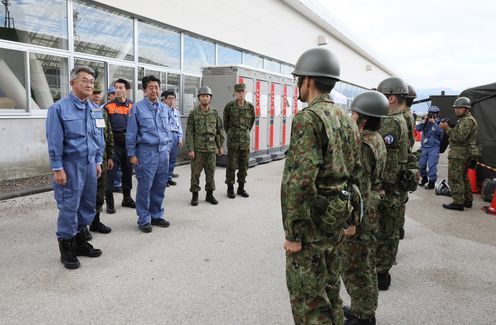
{"x": 100, "y": 123}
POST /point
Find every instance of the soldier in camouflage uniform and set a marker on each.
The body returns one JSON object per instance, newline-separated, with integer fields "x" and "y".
{"x": 239, "y": 116}
{"x": 204, "y": 140}
{"x": 357, "y": 251}
{"x": 394, "y": 131}
{"x": 323, "y": 157}
{"x": 462, "y": 155}
{"x": 107, "y": 163}
{"x": 410, "y": 123}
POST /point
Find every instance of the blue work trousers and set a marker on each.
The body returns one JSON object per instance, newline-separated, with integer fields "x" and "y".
{"x": 77, "y": 199}
{"x": 428, "y": 163}
{"x": 173, "y": 153}
{"x": 151, "y": 172}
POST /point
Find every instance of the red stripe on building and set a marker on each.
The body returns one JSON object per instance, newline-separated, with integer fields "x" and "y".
{"x": 257, "y": 115}
{"x": 284, "y": 98}
{"x": 271, "y": 127}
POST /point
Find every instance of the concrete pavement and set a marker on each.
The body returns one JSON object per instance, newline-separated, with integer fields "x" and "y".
{"x": 225, "y": 264}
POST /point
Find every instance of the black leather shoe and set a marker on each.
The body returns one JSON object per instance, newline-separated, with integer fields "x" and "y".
{"x": 358, "y": 321}
{"x": 83, "y": 248}
{"x": 161, "y": 223}
{"x": 383, "y": 280}
{"x": 402, "y": 233}
{"x": 467, "y": 204}
{"x": 175, "y": 175}
{"x": 241, "y": 190}
{"x": 194, "y": 199}
{"x": 210, "y": 198}
{"x": 109, "y": 200}
{"x": 453, "y": 206}
{"x": 171, "y": 182}
{"x": 230, "y": 191}
{"x": 87, "y": 234}
{"x": 128, "y": 202}
{"x": 100, "y": 227}
{"x": 67, "y": 257}
{"x": 147, "y": 227}
{"x": 347, "y": 312}
{"x": 423, "y": 181}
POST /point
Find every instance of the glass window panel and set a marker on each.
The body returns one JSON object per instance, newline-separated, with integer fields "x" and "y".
{"x": 12, "y": 80}
{"x": 286, "y": 69}
{"x": 197, "y": 53}
{"x": 101, "y": 31}
{"x": 49, "y": 79}
{"x": 191, "y": 85}
{"x": 253, "y": 60}
{"x": 140, "y": 95}
{"x": 35, "y": 22}
{"x": 158, "y": 45}
{"x": 226, "y": 55}
{"x": 174, "y": 83}
{"x": 100, "y": 75}
{"x": 272, "y": 66}
{"x": 127, "y": 73}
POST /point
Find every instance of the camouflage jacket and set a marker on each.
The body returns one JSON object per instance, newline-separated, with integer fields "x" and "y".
{"x": 374, "y": 155}
{"x": 395, "y": 134}
{"x": 238, "y": 122}
{"x": 204, "y": 130}
{"x": 462, "y": 137}
{"x": 410, "y": 124}
{"x": 108, "y": 137}
{"x": 323, "y": 153}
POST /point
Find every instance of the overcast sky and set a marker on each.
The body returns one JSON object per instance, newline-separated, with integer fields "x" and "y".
{"x": 429, "y": 43}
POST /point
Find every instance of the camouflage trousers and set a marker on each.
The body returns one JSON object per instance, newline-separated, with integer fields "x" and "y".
{"x": 100, "y": 189}
{"x": 359, "y": 274}
{"x": 312, "y": 277}
{"x": 388, "y": 234}
{"x": 237, "y": 159}
{"x": 461, "y": 190}
{"x": 203, "y": 161}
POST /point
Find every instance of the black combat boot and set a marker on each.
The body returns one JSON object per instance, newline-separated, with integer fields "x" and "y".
{"x": 83, "y": 248}
{"x": 402, "y": 233}
{"x": 423, "y": 181}
{"x": 359, "y": 321}
{"x": 98, "y": 226}
{"x": 127, "y": 200}
{"x": 430, "y": 185}
{"x": 347, "y": 312}
{"x": 241, "y": 190}
{"x": 194, "y": 199}
{"x": 67, "y": 256}
{"x": 87, "y": 234}
{"x": 210, "y": 198}
{"x": 383, "y": 280}
{"x": 467, "y": 204}
{"x": 453, "y": 206}
{"x": 230, "y": 191}
{"x": 109, "y": 199}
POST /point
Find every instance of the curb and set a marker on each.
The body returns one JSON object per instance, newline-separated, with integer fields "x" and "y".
{"x": 36, "y": 190}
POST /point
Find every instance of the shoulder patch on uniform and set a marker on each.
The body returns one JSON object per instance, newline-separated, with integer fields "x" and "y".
{"x": 388, "y": 139}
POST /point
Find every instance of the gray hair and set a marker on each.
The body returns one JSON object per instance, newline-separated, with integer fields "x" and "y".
{"x": 83, "y": 68}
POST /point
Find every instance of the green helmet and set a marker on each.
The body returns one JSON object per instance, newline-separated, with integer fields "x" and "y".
{"x": 462, "y": 102}
{"x": 393, "y": 86}
{"x": 371, "y": 103}
{"x": 411, "y": 92}
{"x": 204, "y": 90}
{"x": 317, "y": 62}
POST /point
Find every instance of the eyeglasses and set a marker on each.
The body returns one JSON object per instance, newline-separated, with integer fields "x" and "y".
{"x": 87, "y": 81}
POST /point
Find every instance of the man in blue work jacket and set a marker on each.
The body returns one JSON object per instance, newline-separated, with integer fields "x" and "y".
{"x": 74, "y": 131}
{"x": 148, "y": 141}
{"x": 431, "y": 142}
{"x": 169, "y": 100}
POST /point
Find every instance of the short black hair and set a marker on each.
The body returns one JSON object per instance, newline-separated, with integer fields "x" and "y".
{"x": 373, "y": 123}
{"x": 168, "y": 93}
{"x": 324, "y": 84}
{"x": 123, "y": 81}
{"x": 147, "y": 79}
{"x": 409, "y": 101}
